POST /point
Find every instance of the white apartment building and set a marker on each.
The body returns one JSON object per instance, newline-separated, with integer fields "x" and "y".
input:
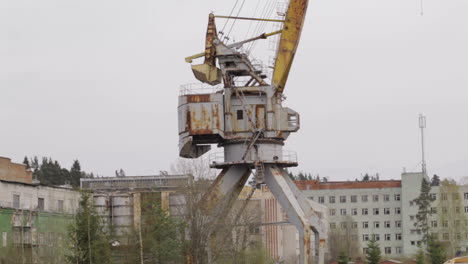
{"x": 385, "y": 209}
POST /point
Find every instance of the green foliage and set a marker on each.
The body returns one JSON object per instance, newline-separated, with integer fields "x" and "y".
{"x": 90, "y": 243}
{"x": 420, "y": 257}
{"x": 50, "y": 173}
{"x": 342, "y": 258}
{"x": 373, "y": 254}
{"x": 435, "y": 181}
{"x": 304, "y": 176}
{"x": 436, "y": 251}
{"x": 423, "y": 202}
{"x": 161, "y": 235}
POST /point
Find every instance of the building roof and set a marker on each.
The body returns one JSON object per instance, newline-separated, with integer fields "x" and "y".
{"x": 316, "y": 185}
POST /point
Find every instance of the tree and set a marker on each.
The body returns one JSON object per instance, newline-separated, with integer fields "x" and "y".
{"x": 435, "y": 181}
{"x": 342, "y": 258}
{"x": 450, "y": 215}
{"x": 26, "y": 162}
{"x": 342, "y": 239}
{"x": 420, "y": 257}
{"x": 75, "y": 174}
{"x": 423, "y": 202}
{"x": 373, "y": 254}
{"x": 89, "y": 242}
{"x": 436, "y": 251}
{"x": 366, "y": 177}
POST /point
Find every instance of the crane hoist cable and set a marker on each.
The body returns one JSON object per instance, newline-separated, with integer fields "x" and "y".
{"x": 230, "y": 14}
{"x": 234, "y": 22}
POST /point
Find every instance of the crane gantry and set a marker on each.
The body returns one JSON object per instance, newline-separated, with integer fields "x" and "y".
{"x": 247, "y": 119}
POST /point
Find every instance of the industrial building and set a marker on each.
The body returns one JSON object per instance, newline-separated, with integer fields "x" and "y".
{"x": 33, "y": 218}
{"x": 386, "y": 210}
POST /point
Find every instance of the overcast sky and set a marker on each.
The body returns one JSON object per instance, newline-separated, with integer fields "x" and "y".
{"x": 98, "y": 81}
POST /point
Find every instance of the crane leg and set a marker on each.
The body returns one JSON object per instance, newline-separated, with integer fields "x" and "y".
{"x": 224, "y": 191}
{"x": 307, "y": 220}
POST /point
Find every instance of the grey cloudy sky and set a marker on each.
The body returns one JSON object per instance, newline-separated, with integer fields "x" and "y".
{"x": 98, "y": 81}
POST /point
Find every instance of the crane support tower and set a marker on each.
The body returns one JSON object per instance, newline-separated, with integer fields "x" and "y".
{"x": 245, "y": 116}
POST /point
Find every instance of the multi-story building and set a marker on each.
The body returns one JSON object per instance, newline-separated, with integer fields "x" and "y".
{"x": 33, "y": 218}
{"x": 386, "y": 211}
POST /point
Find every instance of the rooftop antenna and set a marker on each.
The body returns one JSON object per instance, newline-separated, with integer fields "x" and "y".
{"x": 422, "y": 126}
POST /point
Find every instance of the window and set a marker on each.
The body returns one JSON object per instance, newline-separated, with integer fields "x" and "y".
{"x": 354, "y": 226}
{"x": 455, "y": 196}
{"x": 343, "y": 225}
{"x": 40, "y": 204}
{"x": 413, "y": 243}
{"x": 354, "y": 198}
{"x": 321, "y": 199}
{"x": 388, "y": 250}
{"x": 354, "y": 237}
{"x": 365, "y": 211}
{"x": 342, "y": 199}
{"x": 434, "y": 210}
{"x": 376, "y": 224}
{"x": 364, "y": 198}
{"x": 332, "y": 225}
{"x": 375, "y": 197}
{"x": 365, "y": 225}
{"x": 386, "y": 211}
{"x": 398, "y": 224}
{"x": 458, "y": 236}
{"x": 457, "y": 210}
{"x": 465, "y": 195}
{"x": 386, "y": 198}
{"x": 387, "y": 224}
{"x": 456, "y": 223}
{"x": 444, "y": 210}
{"x": 445, "y": 236}
{"x": 466, "y": 209}
{"x": 398, "y": 236}
{"x": 365, "y": 250}
{"x": 398, "y": 250}
{"x": 365, "y": 237}
{"x": 60, "y": 205}
{"x": 376, "y": 237}
{"x": 435, "y": 236}
{"x": 332, "y": 212}
{"x": 240, "y": 114}
{"x": 311, "y": 198}
{"x": 387, "y": 237}
{"x": 397, "y": 197}
{"x": 354, "y": 211}
{"x": 445, "y": 223}
{"x": 397, "y": 210}
{"x": 443, "y": 196}
{"x": 376, "y": 211}
{"x": 434, "y": 224}
{"x": 16, "y": 201}
{"x": 433, "y": 196}
{"x": 343, "y": 211}
{"x": 411, "y": 217}
{"x": 331, "y": 199}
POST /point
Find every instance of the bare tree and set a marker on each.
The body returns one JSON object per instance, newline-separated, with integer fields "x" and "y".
{"x": 343, "y": 239}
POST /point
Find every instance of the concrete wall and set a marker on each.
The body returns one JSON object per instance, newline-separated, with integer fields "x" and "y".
{"x": 14, "y": 172}
{"x": 29, "y": 196}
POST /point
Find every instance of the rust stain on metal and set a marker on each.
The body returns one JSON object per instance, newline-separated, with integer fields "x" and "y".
{"x": 198, "y": 98}
{"x": 216, "y": 116}
{"x": 307, "y": 244}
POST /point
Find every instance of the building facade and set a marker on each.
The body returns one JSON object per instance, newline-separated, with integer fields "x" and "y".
{"x": 385, "y": 210}
{"x": 34, "y": 219}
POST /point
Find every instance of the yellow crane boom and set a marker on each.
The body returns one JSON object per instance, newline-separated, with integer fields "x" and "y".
{"x": 289, "y": 41}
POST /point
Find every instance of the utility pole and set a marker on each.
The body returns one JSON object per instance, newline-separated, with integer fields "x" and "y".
{"x": 422, "y": 126}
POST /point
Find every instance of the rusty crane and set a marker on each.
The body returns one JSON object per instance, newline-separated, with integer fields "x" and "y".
{"x": 247, "y": 119}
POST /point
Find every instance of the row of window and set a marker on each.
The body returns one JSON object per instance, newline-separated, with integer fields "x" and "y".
{"x": 445, "y": 223}
{"x": 354, "y": 198}
{"x": 444, "y": 196}
{"x": 40, "y": 203}
{"x": 445, "y": 209}
{"x": 387, "y": 250}
{"x": 365, "y": 211}
{"x": 365, "y": 225}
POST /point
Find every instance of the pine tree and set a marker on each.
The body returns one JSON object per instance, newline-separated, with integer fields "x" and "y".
{"x": 424, "y": 210}
{"x": 26, "y": 163}
{"x": 373, "y": 254}
{"x": 366, "y": 177}
{"x": 342, "y": 258}
{"x": 75, "y": 174}
{"x": 90, "y": 244}
{"x": 436, "y": 251}
{"x": 435, "y": 181}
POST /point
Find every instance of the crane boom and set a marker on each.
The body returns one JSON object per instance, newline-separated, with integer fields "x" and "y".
{"x": 289, "y": 41}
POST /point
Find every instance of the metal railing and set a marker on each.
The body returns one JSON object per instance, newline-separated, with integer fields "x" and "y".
{"x": 199, "y": 88}
{"x": 285, "y": 156}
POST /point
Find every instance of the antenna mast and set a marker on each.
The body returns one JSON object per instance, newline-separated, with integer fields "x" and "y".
{"x": 422, "y": 126}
